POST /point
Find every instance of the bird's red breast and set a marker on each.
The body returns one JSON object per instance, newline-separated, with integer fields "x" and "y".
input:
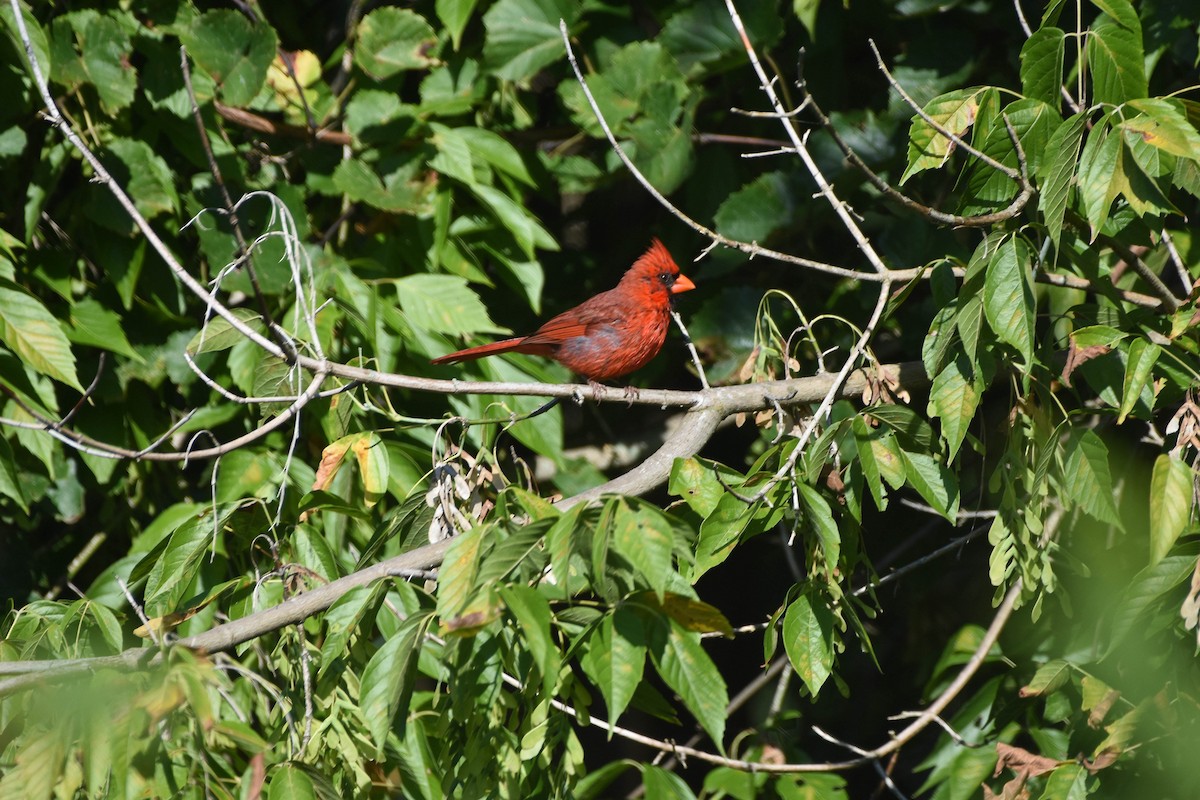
{"x": 609, "y": 335}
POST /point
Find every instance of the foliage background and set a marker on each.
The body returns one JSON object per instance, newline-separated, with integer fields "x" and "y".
{"x": 438, "y": 177}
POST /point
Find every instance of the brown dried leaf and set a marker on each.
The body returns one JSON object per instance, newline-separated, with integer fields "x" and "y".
{"x": 1076, "y": 355}
{"x": 1106, "y": 758}
{"x": 1190, "y": 610}
{"x": 746, "y": 370}
{"x": 1101, "y": 709}
{"x": 1020, "y": 760}
{"x": 772, "y": 755}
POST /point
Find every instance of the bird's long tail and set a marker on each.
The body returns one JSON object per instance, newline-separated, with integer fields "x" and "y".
{"x": 472, "y": 353}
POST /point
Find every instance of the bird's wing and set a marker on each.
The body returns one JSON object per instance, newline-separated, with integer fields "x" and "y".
{"x": 601, "y": 310}
{"x": 557, "y": 331}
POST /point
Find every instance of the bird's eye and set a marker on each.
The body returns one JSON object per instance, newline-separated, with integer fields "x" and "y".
{"x": 666, "y": 278}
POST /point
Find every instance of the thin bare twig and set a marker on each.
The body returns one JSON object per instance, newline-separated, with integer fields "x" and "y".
{"x": 937, "y": 126}
{"x": 751, "y": 249}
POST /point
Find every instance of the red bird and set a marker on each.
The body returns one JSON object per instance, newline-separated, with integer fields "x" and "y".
{"x": 610, "y": 335}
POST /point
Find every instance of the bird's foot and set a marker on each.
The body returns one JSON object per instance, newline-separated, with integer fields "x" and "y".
{"x": 631, "y": 393}
{"x": 598, "y": 390}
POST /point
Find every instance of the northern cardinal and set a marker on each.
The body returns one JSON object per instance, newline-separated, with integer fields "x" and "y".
{"x": 610, "y": 335}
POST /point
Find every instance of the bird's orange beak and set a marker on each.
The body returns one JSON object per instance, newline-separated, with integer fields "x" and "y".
{"x": 682, "y": 284}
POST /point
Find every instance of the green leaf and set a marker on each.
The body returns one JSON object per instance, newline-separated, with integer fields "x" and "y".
{"x": 694, "y": 615}
{"x": 1042, "y": 65}
{"x": 808, "y": 638}
{"x": 456, "y": 578}
{"x": 1049, "y": 678}
{"x": 233, "y": 50}
{"x": 1008, "y": 297}
{"x": 1170, "y": 504}
{"x": 1056, "y": 172}
{"x": 1033, "y": 121}
{"x": 34, "y": 335}
{"x": 1066, "y": 782}
{"x": 523, "y": 36}
{"x": 818, "y": 514}
{"x": 644, "y": 538}
{"x": 496, "y": 150}
{"x": 402, "y": 190}
{"x": 955, "y": 112}
{"x": 106, "y": 48}
{"x": 37, "y": 766}
{"x": 687, "y": 669}
{"x": 532, "y": 612}
{"x": 694, "y": 481}
{"x": 1087, "y": 479}
{"x": 933, "y": 481}
{"x": 616, "y": 658}
{"x": 758, "y": 209}
{"x": 1101, "y": 176}
{"x": 953, "y": 398}
{"x": 1116, "y": 61}
{"x": 1145, "y": 590}
{"x": 313, "y": 551}
{"x": 1122, "y": 12}
{"x": 719, "y": 532}
{"x": 37, "y": 37}
{"x": 1164, "y": 124}
{"x": 443, "y": 304}
{"x": 219, "y": 333}
{"x": 454, "y": 16}
{"x": 916, "y": 432}
{"x": 420, "y": 768}
{"x": 1138, "y": 372}
{"x": 392, "y": 40}
{"x": 373, "y": 465}
{"x": 289, "y": 782}
{"x": 543, "y": 433}
{"x": 147, "y": 179}
{"x": 454, "y": 155}
{"x": 863, "y": 436}
{"x": 94, "y": 325}
{"x": 702, "y": 40}
{"x": 179, "y": 562}
{"x": 806, "y": 12}
{"x": 524, "y": 227}
{"x": 374, "y": 116}
{"x": 343, "y": 618}
{"x": 662, "y": 784}
{"x": 662, "y": 150}
{"x": 388, "y": 678}
{"x": 10, "y": 484}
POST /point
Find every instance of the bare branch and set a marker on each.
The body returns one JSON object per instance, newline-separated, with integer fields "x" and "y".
{"x": 937, "y": 126}
{"x": 751, "y": 249}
